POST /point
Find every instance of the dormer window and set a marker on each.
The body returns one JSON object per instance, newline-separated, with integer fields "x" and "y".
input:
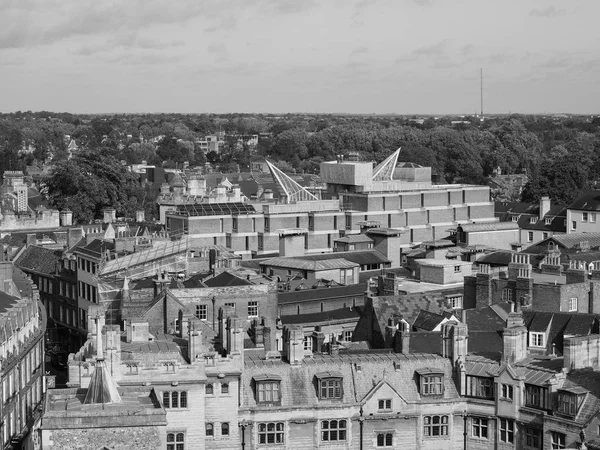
{"x": 268, "y": 388}
{"x": 548, "y": 221}
{"x": 515, "y": 218}
{"x": 537, "y": 339}
{"x": 384, "y": 404}
{"x": 569, "y": 400}
{"x": 533, "y": 220}
{"x": 432, "y": 381}
{"x": 329, "y": 385}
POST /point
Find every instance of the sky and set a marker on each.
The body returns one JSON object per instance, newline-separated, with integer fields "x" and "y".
{"x": 315, "y": 56}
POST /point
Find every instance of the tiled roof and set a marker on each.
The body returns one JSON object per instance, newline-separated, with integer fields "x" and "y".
{"x": 589, "y": 380}
{"x": 360, "y": 257}
{"x": 39, "y": 259}
{"x": 574, "y": 239}
{"x": 361, "y": 375}
{"x": 500, "y": 258}
{"x": 354, "y": 239}
{"x": 484, "y": 319}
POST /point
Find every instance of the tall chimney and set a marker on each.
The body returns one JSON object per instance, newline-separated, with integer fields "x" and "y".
{"x": 544, "y": 206}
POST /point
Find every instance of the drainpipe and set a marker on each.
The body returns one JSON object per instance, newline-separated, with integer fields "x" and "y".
{"x": 465, "y": 429}
{"x": 243, "y": 425}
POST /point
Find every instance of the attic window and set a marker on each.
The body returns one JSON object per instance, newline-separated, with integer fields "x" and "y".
{"x": 569, "y": 401}
{"x": 548, "y": 221}
{"x": 432, "y": 382}
{"x": 533, "y": 220}
{"x": 268, "y": 388}
{"x": 536, "y": 339}
{"x": 515, "y": 218}
{"x": 330, "y": 385}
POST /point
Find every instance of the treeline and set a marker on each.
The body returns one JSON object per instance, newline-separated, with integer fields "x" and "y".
{"x": 561, "y": 156}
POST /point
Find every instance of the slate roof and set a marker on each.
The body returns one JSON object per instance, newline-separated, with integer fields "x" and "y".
{"x": 587, "y": 201}
{"x": 484, "y": 319}
{"x": 576, "y": 323}
{"x": 226, "y": 279}
{"x": 312, "y": 265}
{"x": 299, "y": 383}
{"x": 488, "y": 226}
{"x": 360, "y": 257}
{"x": 589, "y": 380}
{"x": 336, "y": 315}
{"x": 427, "y": 320}
{"x": 572, "y": 240}
{"x": 307, "y": 295}
{"x": 39, "y": 259}
{"x": 525, "y": 212}
{"x": 500, "y": 258}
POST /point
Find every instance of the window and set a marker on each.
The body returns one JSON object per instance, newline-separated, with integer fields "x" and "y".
{"x": 385, "y": 403}
{"x": 455, "y": 301}
{"x": 548, "y": 220}
{"x": 385, "y": 439}
{"x": 209, "y": 389}
{"x": 558, "y": 440}
{"x": 253, "y": 309}
{"x": 584, "y": 217}
{"x": 175, "y": 399}
{"x": 533, "y": 437}
{"x": 435, "y": 426}
{"x": 270, "y": 433}
{"x": 544, "y": 235}
{"x": 515, "y": 218}
{"x": 330, "y": 388}
{"x": 225, "y": 429}
{"x": 573, "y": 304}
{"x": 432, "y": 385}
{"x": 308, "y": 341}
{"x": 456, "y": 269}
{"x": 210, "y": 429}
{"x": 592, "y": 217}
{"x": 231, "y": 305}
{"x": 347, "y": 335}
{"x": 536, "y": 396}
{"x": 533, "y": 220}
{"x": 507, "y": 430}
{"x": 567, "y": 403}
{"x": 530, "y": 236}
{"x": 573, "y": 225}
{"x": 175, "y": 441}
{"x": 333, "y": 430}
{"x": 234, "y": 224}
{"x": 267, "y": 224}
{"x": 507, "y": 295}
{"x": 201, "y": 312}
{"x": 225, "y": 388}
{"x": 268, "y": 391}
{"x": 479, "y": 428}
{"x": 480, "y": 387}
{"x": 536, "y": 339}
{"x": 506, "y": 392}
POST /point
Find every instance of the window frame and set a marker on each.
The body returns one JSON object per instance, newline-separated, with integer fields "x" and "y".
{"x": 274, "y": 390}
{"x": 202, "y": 312}
{"x": 533, "y": 437}
{"x": 573, "y": 304}
{"x": 384, "y": 439}
{"x": 209, "y": 387}
{"x": 384, "y": 404}
{"x": 455, "y": 301}
{"x": 252, "y": 309}
{"x": 567, "y": 403}
{"x": 535, "y": 337}
{"x": 507, "y": 294}
{"x": 176, "y": 443}
{"x": 277, "y": 432}
{"x": 480, "y": 387}
{"x": 432, "y": 384}
{"x": 480, "y": 428}
{"x": 536, "y": 396}
{"x": 506, "y": 392}
{"x": 506, "y": 431}
{"x": 209, "y": 426}
{"x": 558, "y": 440}
{"x": 433, "y": 428}
{"x": 339, "y": 433}
{"x": 225, "y": 388}
{"x": 330, "y": 388}
{"x": 225, "y": 429}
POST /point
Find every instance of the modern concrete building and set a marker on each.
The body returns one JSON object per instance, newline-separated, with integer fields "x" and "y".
{"x": 399, "y": 197}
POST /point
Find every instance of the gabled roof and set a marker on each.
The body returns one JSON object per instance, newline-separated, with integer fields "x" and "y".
{"x": 336, "y": 315}
{"x": 303, "y": 264}
{"x": 354, "y": 239}
{"x": 226, "y": 279}
{"x": 428, "y": 321}
{"x": 488, "y": 226}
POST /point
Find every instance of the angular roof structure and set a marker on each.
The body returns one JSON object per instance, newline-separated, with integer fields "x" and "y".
{"x": 385, "y": 170}
{"x": 293, "y": 191}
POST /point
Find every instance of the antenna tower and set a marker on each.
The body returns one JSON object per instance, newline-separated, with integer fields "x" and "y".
{"x": 481, "y": 88}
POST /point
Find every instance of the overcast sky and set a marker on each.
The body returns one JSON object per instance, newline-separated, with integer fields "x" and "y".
{"x": 354, "y": 56}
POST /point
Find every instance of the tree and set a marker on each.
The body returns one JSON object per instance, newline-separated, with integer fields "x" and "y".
{"x": 91, "y": 181}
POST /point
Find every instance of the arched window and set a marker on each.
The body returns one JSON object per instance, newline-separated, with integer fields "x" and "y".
{"x": 225, "y": 388}
{"x": 210, "y": 429}
{"x": 209, "y": 389}
{"x": 225, "y": 429}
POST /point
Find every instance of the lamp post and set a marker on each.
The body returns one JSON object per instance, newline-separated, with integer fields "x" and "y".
{"x": 243, "y": 424}
{"x": 464, "y": 416}
{"x": 361, "y": 421}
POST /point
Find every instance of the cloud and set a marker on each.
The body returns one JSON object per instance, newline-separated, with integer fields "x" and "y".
{"x": 359, "y": 51}
{"x": 467, "y": 49}
{"x": 424, "y": 2}
{"x": 438, "y": 49}
{"x": 551, "y": 11}
{"x": 44, "y": 23}
{"x": 127, "y": 41}
{"x": 290, "y": 6}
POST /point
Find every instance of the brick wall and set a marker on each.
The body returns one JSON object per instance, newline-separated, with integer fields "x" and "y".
{"x": 117, "y": 438}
